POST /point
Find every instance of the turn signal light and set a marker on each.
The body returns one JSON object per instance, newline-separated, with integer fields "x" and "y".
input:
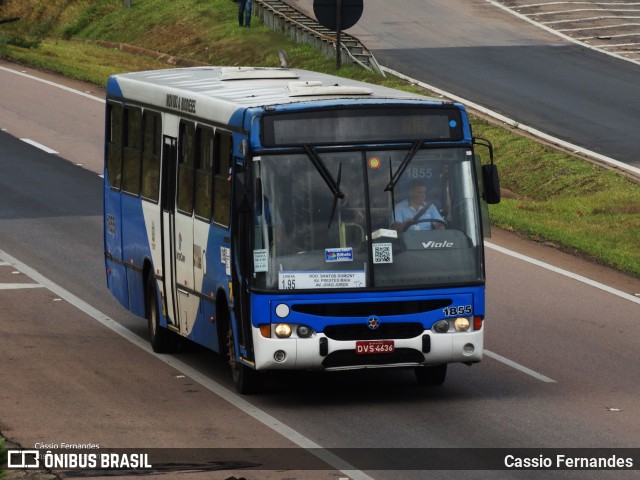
{"x": 265, "y": 330}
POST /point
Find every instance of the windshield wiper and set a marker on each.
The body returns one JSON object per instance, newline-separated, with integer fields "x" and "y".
{"x": 335, "y": 197}
{"x": 333, "y": 185}
{"x": 403, "y": 166}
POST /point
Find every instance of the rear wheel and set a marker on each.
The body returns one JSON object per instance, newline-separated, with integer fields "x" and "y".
{"x": 246, "y": 379}
{"x": 161, "y": 339}
{"x": 433, "y": 375}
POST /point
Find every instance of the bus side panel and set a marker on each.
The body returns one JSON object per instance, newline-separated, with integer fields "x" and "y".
{"x": 212, "y": 272}
{"x": 135, "y": 250}
{"x": 116, "y": 271}
{"x": 204, "y": 330}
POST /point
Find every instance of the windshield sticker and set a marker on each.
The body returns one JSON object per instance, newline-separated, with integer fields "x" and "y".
{"x": 374, "y": 163}
{"x": 309, "y": 280}
{"x": 225, "y": 257}
{"x": 260, "y": 260}
{"x": 338, "y": 254}
{"x": 382, "y": 253}
{"x": 384, "y": 232}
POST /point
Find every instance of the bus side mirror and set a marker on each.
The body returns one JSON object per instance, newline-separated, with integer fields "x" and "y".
{"x": 491, "y": 183}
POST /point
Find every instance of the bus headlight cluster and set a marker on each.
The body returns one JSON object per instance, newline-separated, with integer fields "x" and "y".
{"x": 441, "y": 326}
{"x": 460, "y": 324}
{"x": 285, "y": 330}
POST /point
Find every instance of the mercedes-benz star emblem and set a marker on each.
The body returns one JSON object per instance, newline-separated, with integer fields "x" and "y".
{"x": 373, "y": 323}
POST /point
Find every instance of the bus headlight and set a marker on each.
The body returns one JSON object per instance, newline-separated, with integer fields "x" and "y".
{"x": 283, "y": 330}
{"x": 303, "y": 331}
{"x": 441, "y": 326}
{"x": 461, "y": 324}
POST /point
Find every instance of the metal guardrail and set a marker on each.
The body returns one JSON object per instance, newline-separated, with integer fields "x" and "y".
{"x": 285, "y": 18}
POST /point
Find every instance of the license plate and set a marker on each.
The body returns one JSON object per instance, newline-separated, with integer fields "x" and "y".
{"x": 366, "y": 347}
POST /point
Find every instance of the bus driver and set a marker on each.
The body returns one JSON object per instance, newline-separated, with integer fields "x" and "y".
{"x": 414, "y": 212}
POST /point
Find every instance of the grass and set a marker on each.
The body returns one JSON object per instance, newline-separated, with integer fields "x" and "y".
{"x": 551, "y": 196}
{"x": 3, "y": 456}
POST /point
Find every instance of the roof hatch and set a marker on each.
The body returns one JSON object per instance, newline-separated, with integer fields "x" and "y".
{"x": 253, "y": 73}
{"x": 316, "y": 88}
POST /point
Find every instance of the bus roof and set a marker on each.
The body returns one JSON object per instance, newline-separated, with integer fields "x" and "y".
{"x": 246, "y": 87}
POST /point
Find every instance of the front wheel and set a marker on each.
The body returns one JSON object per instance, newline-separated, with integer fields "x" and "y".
{"x": 246, "y": 379}
{"x": 431, "y": 376}
{"x": 161, "y": 339}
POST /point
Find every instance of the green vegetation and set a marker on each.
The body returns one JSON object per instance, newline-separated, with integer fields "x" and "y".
{"x": 552, "y": 196}
{"x": 3, "y": 456}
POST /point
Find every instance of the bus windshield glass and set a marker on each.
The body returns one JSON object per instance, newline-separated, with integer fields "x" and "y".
{"x": 419, "y": 230}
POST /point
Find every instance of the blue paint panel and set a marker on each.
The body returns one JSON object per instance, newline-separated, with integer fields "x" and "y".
{"x": 113, "y": 88}
{"x": 116, "y": 272}
{"x": 204, "y": 332}
{"x": 117, "y": 282}
{"x": 263, "y": 306}
{"x": 135, "y": 250}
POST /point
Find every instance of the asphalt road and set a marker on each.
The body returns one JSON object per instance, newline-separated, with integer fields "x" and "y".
{"x": 479, "y": 52}
{"x": 560, "y": 371}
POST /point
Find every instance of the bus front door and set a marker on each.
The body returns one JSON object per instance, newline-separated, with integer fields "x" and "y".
{"x": 168, "y": 201}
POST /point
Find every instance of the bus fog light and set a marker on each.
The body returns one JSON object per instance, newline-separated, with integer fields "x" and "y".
{"x": 283, "y": 330}
{"x": 441, "y": 326}
{"x": 462, "y": 324}
{"x": 303, "y": 331}
{"x": 282, "y": 310}
{"x": 468, "y": 349}
{"x": 279, "y": 356}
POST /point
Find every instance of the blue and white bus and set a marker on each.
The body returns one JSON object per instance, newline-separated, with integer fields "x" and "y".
{"x": 253, "y": 211}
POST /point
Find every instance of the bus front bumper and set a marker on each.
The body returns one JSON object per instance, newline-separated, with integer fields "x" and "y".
{"x": 322, "y": 353}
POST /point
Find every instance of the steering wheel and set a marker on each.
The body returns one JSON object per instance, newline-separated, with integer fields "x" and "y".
{"x": 430, "y": 220}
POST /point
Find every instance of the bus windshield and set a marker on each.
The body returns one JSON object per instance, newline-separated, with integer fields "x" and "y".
{"x": 390, "y": 223}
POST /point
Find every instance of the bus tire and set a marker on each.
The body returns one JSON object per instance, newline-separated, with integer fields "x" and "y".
{"x": 161, "y": 339}
{"x": 431, "y": 376}
{"x": 246, "y": 379}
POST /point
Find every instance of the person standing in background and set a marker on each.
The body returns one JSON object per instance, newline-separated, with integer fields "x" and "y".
{"x": 244, "y": 13}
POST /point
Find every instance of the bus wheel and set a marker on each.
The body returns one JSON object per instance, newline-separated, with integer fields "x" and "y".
{"x": 246, "y": 379}
{"x": 161, "y": 339}
{"x": 432, "y": 376}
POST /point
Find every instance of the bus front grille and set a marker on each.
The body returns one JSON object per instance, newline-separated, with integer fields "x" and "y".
{"x": 362, "y": 332}
{"x": 367, "y": 309}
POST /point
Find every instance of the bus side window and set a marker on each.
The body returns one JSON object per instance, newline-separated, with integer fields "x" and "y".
{"x": 186, "y": 164}
{"x": 204, "y": 172}
{"x": 151, "y": 145}
{"x": 114, "y": 144}
{"x": 132, "y": 150}
{"x": 222, "y": 186}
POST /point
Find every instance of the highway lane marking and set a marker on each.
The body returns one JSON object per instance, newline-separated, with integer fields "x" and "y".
{"x": 18, "y": 286}
{"x": 566, "y": 273}
{"x": 38, "y": 145}
{"x": 517, "y": 366}
{"x": 53, "y": 84}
